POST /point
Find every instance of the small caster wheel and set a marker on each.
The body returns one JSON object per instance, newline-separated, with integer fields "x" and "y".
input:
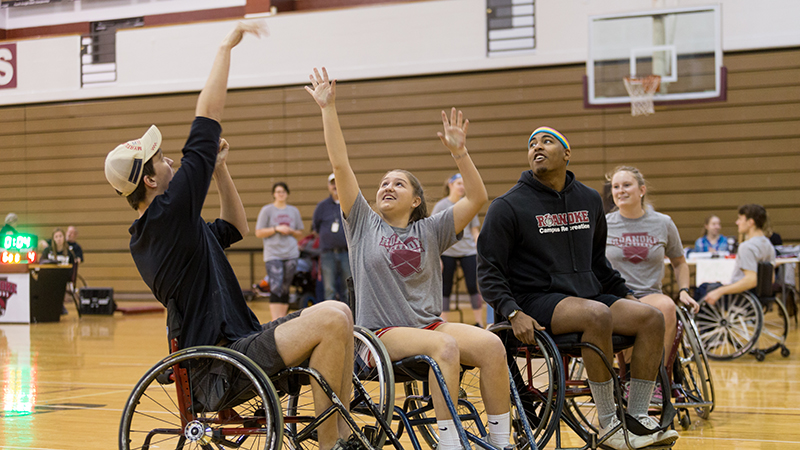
{"x": 760, "y": 355}
{"x": 785, "y": 352}
{"x": 685, "y": 421}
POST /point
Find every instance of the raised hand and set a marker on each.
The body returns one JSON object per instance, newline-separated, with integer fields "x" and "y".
{"x": 222, "y": 153}
{"x": 323, "y": 90}
{"x": 258, "y": 28}
{"x": 455, "y": 132}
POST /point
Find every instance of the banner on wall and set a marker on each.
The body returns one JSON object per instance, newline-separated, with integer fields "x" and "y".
{"x": 8, "y": 66}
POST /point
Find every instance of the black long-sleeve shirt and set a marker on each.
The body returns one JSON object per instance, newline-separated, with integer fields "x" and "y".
{"x": 537, "y": 240}
{"x": 182, "y": 258}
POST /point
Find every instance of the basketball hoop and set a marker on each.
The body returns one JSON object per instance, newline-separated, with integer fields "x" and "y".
{"x": 641, "y": 90}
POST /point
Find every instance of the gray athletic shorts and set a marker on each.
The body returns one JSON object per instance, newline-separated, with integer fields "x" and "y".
{"x": 261, "y": 348}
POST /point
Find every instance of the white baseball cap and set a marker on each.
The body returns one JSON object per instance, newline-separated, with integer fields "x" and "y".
{"x": 330, "y": 178}
{"x": 124, "y": 163}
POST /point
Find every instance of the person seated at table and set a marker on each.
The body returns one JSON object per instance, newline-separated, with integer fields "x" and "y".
{"x": 58, "y": 249}
{"x": 395, "y": 251}
{"x": 638, "y": 239}
{"x": 712, "y": 240}
{"x": 754, "y": 249}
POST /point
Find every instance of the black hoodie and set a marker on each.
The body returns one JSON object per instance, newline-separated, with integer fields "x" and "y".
{"x": 537, "y": 240}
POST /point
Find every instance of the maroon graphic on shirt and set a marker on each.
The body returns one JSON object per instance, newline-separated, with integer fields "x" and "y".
{"x": 405, "y": 256}
{"x": 635, "y": 246}
{"x": 284, "y": 219}
{"x": 7, "y": 289}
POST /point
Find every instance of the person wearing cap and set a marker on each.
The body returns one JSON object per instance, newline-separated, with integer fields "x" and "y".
{"x": 182, "y": 259}
{"x": 463, "y": 252}
{"x": 9, "y": 224}
{"x": 542, "y": 264}
{"x": 333, "y": 260}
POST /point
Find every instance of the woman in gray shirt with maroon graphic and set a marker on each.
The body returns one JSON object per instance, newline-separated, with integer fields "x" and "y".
{"x": 394, "y": 256}
{"x": 638, "y": 240}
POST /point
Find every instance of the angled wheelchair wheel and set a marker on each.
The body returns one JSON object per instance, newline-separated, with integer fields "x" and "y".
{"x": 418, "y": 398}
{"x": 731, "y": 327}
{"x": 691, "y": 371}
{"x": 538, "y": 375}
{"x": 202, "y": 397}
{"x": 373, "y": 389}
{"x": 471, "y": 411}
{"x": 580, "y": 410}
{"x": 775, "y": 328}
{"x": 791, "y": 300}
{"x": 372, "y": 396}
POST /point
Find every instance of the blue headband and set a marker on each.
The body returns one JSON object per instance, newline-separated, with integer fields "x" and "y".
{"x": 454, "y": 178}
{"x": 551, "y": 131}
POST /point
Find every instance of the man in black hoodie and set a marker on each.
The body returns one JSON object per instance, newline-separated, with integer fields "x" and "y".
{"x": 542, "y": 264}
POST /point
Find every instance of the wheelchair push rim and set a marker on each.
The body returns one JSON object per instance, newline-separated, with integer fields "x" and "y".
{"x": 163, "y": 412}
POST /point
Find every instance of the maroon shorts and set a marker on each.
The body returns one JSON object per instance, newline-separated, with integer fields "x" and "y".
{"x": 431, "y": 326}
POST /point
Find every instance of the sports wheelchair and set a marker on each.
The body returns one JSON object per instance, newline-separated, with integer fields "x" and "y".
{"x": 691, "y": 384}
{"x": 572, "y": 401}
{"x": 416, "y": 415}
{"x": 754, "y": 322}
{"x": 222, "y": 399}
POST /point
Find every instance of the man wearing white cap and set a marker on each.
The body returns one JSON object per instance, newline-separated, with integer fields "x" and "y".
{"x": 182, "y": 258}
{"x": 334, "y": 260}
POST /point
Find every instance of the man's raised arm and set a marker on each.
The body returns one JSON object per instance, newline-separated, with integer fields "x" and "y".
{"x": 212, "y": 97}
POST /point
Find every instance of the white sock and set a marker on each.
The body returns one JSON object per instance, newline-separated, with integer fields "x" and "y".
{"x": 499, "y": 429}
{"x": 603, "y": 394}
{"x": 639, "y": 397}
{"x": 448, "y": 436}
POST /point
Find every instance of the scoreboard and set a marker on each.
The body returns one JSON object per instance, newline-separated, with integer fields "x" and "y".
{"x": 18, "y": 248}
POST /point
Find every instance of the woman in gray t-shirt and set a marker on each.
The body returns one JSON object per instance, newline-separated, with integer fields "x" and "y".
{"x": 463, "y": 252}
{"x": 638, "y": 239}
{"x": 280, "y": 225}
{"x": 394, "y": 256}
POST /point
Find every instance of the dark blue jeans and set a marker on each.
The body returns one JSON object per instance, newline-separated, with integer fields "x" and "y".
{"x": 335, "y": 267}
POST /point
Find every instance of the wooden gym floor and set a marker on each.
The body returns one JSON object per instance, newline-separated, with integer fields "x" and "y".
{"x": 64, "y": 385}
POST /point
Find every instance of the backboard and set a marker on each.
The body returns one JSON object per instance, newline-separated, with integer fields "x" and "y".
{"x": 682, "y": 45}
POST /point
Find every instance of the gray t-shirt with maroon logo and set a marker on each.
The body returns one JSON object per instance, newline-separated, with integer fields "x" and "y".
{"x": 396, "y": 272}
{"x": 636, "y": 248}
{"x": 279, "y": 246}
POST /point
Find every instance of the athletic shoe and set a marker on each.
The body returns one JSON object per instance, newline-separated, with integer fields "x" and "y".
{"x": 665, "y": 437}
{"x": 617, "y": 440}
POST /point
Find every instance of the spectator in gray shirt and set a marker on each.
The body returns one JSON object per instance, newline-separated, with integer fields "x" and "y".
{"x": 280, "y": 226}
{"x": 754, "y": 249}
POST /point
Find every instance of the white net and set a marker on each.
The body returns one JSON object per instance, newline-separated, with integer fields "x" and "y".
{"x": 641, "y": 91}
